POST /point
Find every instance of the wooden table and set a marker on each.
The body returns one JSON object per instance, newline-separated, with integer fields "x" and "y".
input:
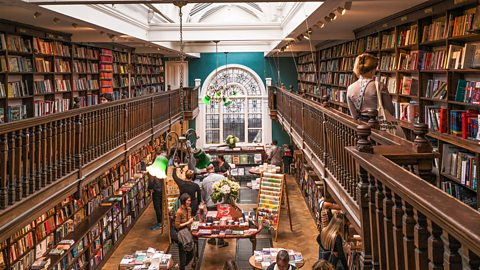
{"x": 258, "y": 266}
{"x": 252, "y": 237}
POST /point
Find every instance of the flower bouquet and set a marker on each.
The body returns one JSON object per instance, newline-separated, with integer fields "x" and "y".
{"x": 231, "y": 141}
{"x": 225, "y": 191}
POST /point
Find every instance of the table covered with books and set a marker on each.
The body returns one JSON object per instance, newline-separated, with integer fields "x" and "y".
{"x": 217, "y": 225}
{"x": 261, "y": 259}
{"x": 264, "y": 168}
{"x": 150, "y": 259}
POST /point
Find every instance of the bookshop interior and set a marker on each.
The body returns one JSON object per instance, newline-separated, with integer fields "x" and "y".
{"x": 156, "y": 134}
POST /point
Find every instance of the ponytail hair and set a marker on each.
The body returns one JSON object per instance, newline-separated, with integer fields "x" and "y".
{"x": 365, "y": 63}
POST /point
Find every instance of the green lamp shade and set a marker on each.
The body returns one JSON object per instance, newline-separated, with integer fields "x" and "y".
{"x": 218, "y": 94}
{"x": 206, "y": 100}
{"x": 203, "y": 159}
{"x": 159, "y": 167}
{"x": 234, "y": 93}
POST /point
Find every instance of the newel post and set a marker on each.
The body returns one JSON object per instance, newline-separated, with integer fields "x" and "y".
{"x": 373, "y": 119}
{"x": 325, "y": 100}
{"x": 421, "y": 145}
{"x": 364, "y": 145}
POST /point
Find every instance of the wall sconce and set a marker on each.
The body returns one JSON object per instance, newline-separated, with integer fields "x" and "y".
{"x": 332, "y": 16}
{"x": 37, "y": 14}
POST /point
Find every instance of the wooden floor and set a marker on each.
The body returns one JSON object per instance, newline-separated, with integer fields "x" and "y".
{"x": 302, "y": 238}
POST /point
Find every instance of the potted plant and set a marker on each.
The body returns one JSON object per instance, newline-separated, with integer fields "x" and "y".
{"x": 226, "y": 191}
{"x": 231, "y": 141}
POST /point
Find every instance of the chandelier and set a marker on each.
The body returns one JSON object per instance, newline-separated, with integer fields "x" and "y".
{"x": 220, "y": 91}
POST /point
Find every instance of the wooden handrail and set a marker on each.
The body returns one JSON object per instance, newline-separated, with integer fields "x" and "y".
{"x": 407, "y": 222}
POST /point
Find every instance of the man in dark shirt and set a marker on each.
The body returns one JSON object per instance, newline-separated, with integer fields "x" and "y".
{"x": 155, "y": 186}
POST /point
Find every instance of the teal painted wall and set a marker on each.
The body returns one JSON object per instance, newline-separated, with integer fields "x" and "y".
{"x": 200, "y": 68}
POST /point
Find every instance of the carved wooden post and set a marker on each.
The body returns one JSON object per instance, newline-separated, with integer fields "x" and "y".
{"x": 435, "y": 246}
{"x": 421, "y": 240}
{"x": 372, "y": 119}
{"x": 3, "y": 170}
{"x": 397, "y": 232}
{"x": 11, "y": 169}
{"x": 48, "y": 152}
{"x": 421, "y": 143}
{"x": 380, "y": 224}
{"x": 78, "y": 144}
{"x": 451, "y": 259}
{"x": 39, "y": 150}
{"x": 32, "y": 160}
{"x": 364, "y": 145}
{"x": 53, "y": 154}
{"x": 325, "y": 100}
{"x": 408, "y": 234}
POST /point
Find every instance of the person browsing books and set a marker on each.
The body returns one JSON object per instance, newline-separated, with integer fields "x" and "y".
{"x": 183, "y": 219}
{"x": 207, "y": 189}
{"x": 362, "y": 94}
{"x": 223, "y": 167}
{"x": 155, "y": 186}
{"x": 282, "y": 262}
{"x": 276, "y": 154}
{"x": 189, "y": 187}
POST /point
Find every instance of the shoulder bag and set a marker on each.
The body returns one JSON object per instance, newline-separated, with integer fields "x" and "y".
{"x": 386, "y": 117}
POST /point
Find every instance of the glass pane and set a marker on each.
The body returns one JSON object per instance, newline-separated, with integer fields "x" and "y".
{"x": 254, "y": 105}
{"x": 238, "y": 106}
{"x": 253, "y": 89}
{"x": 212, "y": 136}
{"x": 254, "y": 120}
{"x": 254, "y": 135}
{"x": 213, "y": 121}
{"x": 213, "y": 107}
{"x": 234, "y": 124}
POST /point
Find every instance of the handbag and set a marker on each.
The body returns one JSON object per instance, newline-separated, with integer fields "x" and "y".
{"x": 386, "y": 117}
{"x": 185, "y": 238}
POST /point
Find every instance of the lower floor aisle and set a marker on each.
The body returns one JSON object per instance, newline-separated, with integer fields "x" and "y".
{"x": 301, "y": 239}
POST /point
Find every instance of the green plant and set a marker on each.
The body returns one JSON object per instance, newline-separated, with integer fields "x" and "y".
{"x": 225, "y": 190}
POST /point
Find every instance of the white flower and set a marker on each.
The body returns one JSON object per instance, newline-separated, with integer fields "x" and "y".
{"x": 225, "y": 189}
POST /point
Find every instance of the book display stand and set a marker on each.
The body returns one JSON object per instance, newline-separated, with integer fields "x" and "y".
{"x": 270, "y": 197}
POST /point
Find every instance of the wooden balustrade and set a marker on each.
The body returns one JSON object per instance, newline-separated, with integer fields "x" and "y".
{"x": 407, "y": 223}
{"x": 34, "y": 153}
{"x": 323, "y": 134}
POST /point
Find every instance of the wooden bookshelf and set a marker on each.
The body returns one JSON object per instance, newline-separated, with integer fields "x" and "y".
{"x": 418, "y": 66}
{"x": 307, "y": 72}
{"x": 47, "y": 73}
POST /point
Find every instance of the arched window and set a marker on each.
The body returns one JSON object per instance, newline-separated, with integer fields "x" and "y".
{"x": 244, "y": 119}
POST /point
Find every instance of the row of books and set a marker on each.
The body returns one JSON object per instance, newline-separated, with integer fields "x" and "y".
{"x": 16, "y": 64}
{"x": 122, "y": 69}
{"x": 390, "y": 83}
{"x": 436, "y": 89}
{"x": 373, "y": 43}
{"x": 85, "y": 53}
{"x": 147, "y": 60}
{"x": 42, "y": 87}
{"x": 18, "y": 89}
{"x": 120, "y": 82}
{"x": 459, "y": 192}
{"x": 310, "y": 67}
{"x": 308, "y": 58}
{"x": 387, "y": 62}
{"x": 388, "y": 41}
{"x": 409, "y": 85}
{"x": 346, "y": 63}
{"x": 407, "y": 36}
{"x": 309, "y": 77}
{"x": 85, "y": 84}
{"x": 406, "y": 111}
{"x": 46, "y": 107}
{"x": 436, "y": 118}
{"x": 43, "y": 65}
{"x": 331, "y": 65}
{"x": 61, "y": 65}
{"x": 464, "y": 123}
{"x": 463, "y": 24}
{"x": 15, "y": 43}
{"x": 84, "y": 67}
{"x": 62, "y": 85}
{"x": 50, "y": 47}
{"x": 468, "y": 91}
{"x": 119, "y": 57}
{"x": 338, "y": 95}
{"x": 436, "y": 30}
{"x": 106, "y": 67}
{"x": 460, "y": 164}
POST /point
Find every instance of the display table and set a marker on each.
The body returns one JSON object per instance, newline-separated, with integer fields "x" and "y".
{"x": 225, "y": 228}
{"x": 258, "y": 170}
{"x": 268, "y": 256}
{"x": 147, "y": 259}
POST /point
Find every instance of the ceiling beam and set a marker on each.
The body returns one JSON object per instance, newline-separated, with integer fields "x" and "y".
{"x": 92, "y": 2}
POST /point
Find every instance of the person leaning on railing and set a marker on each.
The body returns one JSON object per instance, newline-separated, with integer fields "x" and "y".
{"x": 331, "y": 242}
{"x": 362, "y": 94}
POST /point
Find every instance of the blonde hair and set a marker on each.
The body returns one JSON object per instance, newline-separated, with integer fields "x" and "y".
{"x": 322, "y": 265}
{"x": 189, "y": 175}
{"x": 365, "y": 63}
{"x": 334, "y": 228}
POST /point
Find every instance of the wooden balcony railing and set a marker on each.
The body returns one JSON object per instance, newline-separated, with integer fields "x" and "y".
{"x": 191, "y": 104}
{"x": 408, "y": 223}
{"x": 61, "y": 150}
{"x": 322, "y": 133}
{"x": 402, "y": 227}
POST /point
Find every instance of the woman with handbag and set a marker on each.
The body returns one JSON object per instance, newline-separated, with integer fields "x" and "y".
{"x": 183, "y": 222}
{"x": 331, "y": 242}
{"x": 365, "y": 93}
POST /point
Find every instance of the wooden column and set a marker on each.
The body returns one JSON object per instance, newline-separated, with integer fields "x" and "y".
{"x": 25, "y": 163}
{"x": 18, "y": 166}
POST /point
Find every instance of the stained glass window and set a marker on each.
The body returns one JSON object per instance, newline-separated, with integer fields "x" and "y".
{"x": 243, "y": 118}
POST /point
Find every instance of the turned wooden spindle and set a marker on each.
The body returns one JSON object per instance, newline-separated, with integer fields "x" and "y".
{"x": 421, "y": 143}
{"x": 363, "y": 142}
{"x": 325, "y": 100}
{"x": 373, "y": 119}
{"x": 3, "y": 170}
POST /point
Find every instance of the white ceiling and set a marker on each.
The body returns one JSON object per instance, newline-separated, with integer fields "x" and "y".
{"x": 129, "y": 23}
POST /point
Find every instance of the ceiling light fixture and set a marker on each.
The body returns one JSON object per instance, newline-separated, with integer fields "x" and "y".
{"x": 321, "y": 24}
{"x": 327, "y": 19}
{"x": 56, "y": 20}
{"x": 341, "y": 10}
{"x": 37, "y": 14}
{"x": 74, "y": 25}
{"x": 306, "y": 36}
{"x": 332, "y": 16}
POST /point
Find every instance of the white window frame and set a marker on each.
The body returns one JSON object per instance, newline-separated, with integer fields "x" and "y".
{"x": 266, "y": 121}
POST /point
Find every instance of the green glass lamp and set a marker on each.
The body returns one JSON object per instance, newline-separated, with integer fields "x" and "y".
{"x": 158, "y": 168}
{"x": 206, "y": 100}
{"x": 203, "y": 159}
{"x": 227, "y": 102}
